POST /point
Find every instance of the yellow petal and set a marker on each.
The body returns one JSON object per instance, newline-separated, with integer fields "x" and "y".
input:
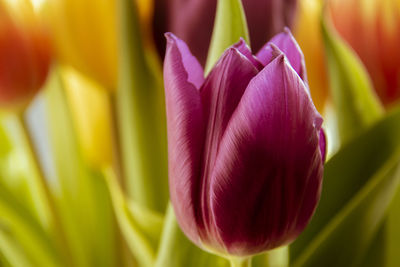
{"x": 91, "y": 113}
{"x": 84, "y": 33}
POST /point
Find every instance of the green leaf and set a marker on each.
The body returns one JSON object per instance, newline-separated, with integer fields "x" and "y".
{"x": 177, "y": 251}
{"x": 149, "y": 222}
{"x": 12, "y": 251}
{"x": 141, "y": 227}
{"x": 36, "y": 242}
{"x": 384, "y": 249}
{"x": 230, "y": 24}
{"x": 5, "y": 142}
{"x": 64, "y": 146}
{"x": 392, "y": 234}
{"x": 376, "y": 252}
{"x": 17, "y": 170}
{"x": 359, "y": 183}
{"x": 83, "y": 199}
{"x": 355, "y": 101}
{"x": 141, "y": 116}
{"x": 357, "y": 107}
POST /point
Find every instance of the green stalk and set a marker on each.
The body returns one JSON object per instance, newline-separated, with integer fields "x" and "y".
{"x": 354, "y": 99}
{"x": 20, "y": 224}
{"x": 177, "y": 251}
{"x": 278, "y": 257}
{"x": 240, "y": 262}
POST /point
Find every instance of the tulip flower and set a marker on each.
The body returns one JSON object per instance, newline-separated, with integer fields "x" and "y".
{"x": 245, "y": 145}
{"x": 193, "y": 21}
{"x": 24, "y": 54}
{"x": 371, "y": 27}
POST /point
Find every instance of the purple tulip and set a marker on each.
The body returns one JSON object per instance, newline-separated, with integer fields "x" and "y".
{"x": 246, "y": 148}
{"x": 193, "y": 20}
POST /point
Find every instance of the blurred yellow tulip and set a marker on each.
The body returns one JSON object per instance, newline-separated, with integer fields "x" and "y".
{"x": 307, "y": 31}
{"x": 372, "y": 29}
{"x": 91, "y": 114}
{"x": 24, "y": 54}
{"x": 85, "y": 35}
{"x": 85, "y": 38}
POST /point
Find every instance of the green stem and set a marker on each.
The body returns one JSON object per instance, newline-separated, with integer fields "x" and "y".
{"x": 240, "y": 262}
{"x": 43, "y": 183}
{"x": 278, "y": 257}
{"x": 170, "y": 234}
{"x": 176, "y": 250}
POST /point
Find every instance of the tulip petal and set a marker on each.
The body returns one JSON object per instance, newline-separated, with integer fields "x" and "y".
{"x": 268, "y": 170}
{"x": 245, "y": 50}
{"x": 192, "y": 67}
{"x": 322, "y": 144}
{"x": 288, "y": 45}
{"x": 221, "y": 94}
{"x": 185, "y": 131}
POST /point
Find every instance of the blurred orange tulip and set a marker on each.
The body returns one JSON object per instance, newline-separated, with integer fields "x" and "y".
{"x": 24, "y": 54}
{"x": 308, "y": 34}
{"x": 372, "y": 28}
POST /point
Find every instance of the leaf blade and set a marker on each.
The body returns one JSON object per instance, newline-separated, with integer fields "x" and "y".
{"x": 230, "y": 24}
{"x": 351, "y": 169}
{"x": 356, "y": 103}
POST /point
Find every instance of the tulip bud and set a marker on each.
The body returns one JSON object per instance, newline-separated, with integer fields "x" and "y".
{"x": 245, "y": 146}
{"x": 193, "y": 21}
{"x": 371, "y": 27}
{"x": 24, "y": 54}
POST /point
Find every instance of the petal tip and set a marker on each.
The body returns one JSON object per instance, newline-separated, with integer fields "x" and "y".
{"x": 179, "y": 52}
{"x": 287, "y": 31}
{"x": 170, "y": 37}
{"x": 232, "y": 51}
{"x": 276, "y": 50}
